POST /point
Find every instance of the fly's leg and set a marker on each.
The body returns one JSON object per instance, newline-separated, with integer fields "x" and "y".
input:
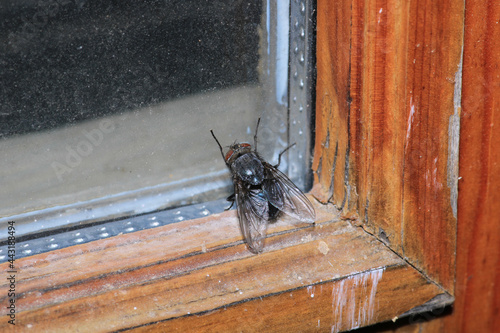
{"x": 279, "y": 156}
{"x": 231, "y": 199}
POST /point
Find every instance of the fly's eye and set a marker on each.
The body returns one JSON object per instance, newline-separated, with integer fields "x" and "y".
{"x": 245, "y": 145}
{"x": 229, "y": 154}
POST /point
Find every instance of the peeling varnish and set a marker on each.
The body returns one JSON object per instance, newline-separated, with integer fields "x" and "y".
{"x": 353, "y": 300}
{"x": 347, "y": 189}
{"x": 454, "y": 139}
{"x": 331, "y": 190}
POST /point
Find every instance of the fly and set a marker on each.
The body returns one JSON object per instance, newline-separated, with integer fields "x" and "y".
{"x": 262, "y": 192}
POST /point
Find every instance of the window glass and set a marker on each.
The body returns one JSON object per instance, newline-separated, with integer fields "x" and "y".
{"x": 107, "y": 105}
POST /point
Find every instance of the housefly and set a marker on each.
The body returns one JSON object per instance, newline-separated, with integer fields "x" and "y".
{"x": 261, "y": 192}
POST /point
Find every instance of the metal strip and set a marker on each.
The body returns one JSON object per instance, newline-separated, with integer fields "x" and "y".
{"x": 301, "y": 85}
{"x": 62, "y": 238}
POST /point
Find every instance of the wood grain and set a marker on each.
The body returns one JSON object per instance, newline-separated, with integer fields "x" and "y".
{"x": 477, "y": 289}
{"x": 390, "y": 108}
{"x": 429, "y": 223}
{"x": 332, "y": 102}
{"x": 199, "y": 274}
{"x": 332, "y": 306}
{"x": 478, "y": 254}
{"x": 477, "y": 304}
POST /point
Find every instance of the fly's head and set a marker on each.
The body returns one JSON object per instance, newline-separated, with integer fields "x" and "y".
{"x": 236, "y": 150}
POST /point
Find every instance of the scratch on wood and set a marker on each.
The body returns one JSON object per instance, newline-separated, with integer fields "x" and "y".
{"x": 351, "y": 311}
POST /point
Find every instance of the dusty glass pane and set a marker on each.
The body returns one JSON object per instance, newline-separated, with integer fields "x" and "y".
{"x": 107, "y": 105}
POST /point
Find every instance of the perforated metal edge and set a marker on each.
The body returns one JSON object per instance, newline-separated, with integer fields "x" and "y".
{"x": 62, "y": 238}
{"x": 301, "y": 86}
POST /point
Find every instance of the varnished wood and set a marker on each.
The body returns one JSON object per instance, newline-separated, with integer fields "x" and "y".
{"x": 477, "y": 287}
{"x": 332, "y": 306}
{"x": 477, "y": 304}
{"x": 433, "y": 86}
{"x": 478, "y": 254}
{"x": 199, "y": 274}
{"x": 390, "y": 107}
{"x": 332, "y": 98}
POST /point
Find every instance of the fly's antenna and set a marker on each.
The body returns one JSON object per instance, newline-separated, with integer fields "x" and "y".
{"x": 220, "y": 147}
{"x": 255, "y": 136}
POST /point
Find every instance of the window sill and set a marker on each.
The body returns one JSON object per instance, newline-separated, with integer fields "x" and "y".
{"x": 198, "y": 275}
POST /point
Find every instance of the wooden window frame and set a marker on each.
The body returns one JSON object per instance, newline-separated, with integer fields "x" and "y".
{"x": 198, "y": 275}
{"x": 383, "y": 246}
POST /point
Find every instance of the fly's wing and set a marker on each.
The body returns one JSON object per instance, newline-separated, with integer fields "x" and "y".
{"x": 253, "y": 213}
{"x": 284, "y": 195}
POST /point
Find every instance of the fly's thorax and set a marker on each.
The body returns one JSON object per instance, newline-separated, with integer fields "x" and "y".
{"x": 248, "y": 167}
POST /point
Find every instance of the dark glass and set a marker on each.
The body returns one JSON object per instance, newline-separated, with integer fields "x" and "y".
{"x": 65, "y": 61}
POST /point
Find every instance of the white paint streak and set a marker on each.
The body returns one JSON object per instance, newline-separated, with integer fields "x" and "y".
{"x": 431, "y": 177}
{"x": 310, "y": 291}
{"x": 353, "y": 301}
{"x": 437, "y": 185}
{"x": 410, "y": 122}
